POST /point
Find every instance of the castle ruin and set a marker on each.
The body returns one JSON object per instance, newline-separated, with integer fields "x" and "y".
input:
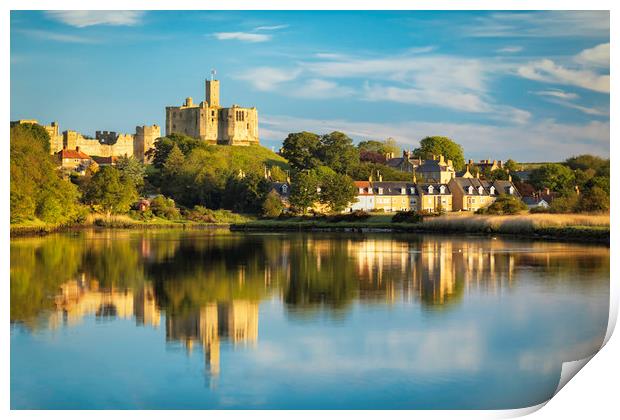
{"x": 105, "y": 143}
{"x": 208, "y": 121}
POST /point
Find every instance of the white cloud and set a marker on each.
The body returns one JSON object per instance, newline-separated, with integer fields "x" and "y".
{"x": 510, "y": 49}
{"x": 55, "y": 36}
{"x": 242, "y": 36}
{"x": 557, "y": 93}
{"x": 548, "y": 71}
{"x": 322, "y": 89}
{"x": 559, "y": 97}
{"x": 539, "y": 24}
{"x": 596, "y": 56}
{"x": 527, "y": 143}
{"x": 271, "y": 28}
{"x": 268, "y": 78}
{"x": 83, "y": 18}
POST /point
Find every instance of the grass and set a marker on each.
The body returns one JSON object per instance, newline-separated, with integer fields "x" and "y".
{"x": 586, "y": 227}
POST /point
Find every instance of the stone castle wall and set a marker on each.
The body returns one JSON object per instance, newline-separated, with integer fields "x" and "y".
{"x": 106, "y": 143}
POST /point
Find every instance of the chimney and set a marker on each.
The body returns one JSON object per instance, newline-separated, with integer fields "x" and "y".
{"x": 434, "y": 157}
{"x": 547, "y": 192}
{"x": 509, "y": 178}
{"x": 477, "y": 174}
{"x": 471, "y": 161}
{"x": 449, "y": 162}
{"x": 441, "y": 160}
{"x": 415, "y": 179}
{"x": 577, "y": 189}
{"x": 380, "y": 177}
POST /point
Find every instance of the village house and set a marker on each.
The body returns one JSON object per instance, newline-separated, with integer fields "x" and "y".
{"x": 75, "y": 160}
{"x": 471, "y": 194}
{"x": 434, "y": 198}
{"x": 406, "y": 163}
{"x": 436, "y": 170}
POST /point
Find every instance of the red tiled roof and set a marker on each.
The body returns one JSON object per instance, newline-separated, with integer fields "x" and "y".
{"x": 73, "y": 154}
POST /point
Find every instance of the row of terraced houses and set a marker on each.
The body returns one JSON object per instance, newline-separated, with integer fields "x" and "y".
{"x": 435, "y": 187}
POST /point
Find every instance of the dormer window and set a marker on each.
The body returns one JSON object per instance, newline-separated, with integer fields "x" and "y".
{"x": 470, "y": 190}
{"x": 284, "y": 189}
{"x": 430, "y": 189}
{"x": 403, "y": 191}
{"x": 480, "y": 190}
{"x": 361, "y": 190}
{"x": 442, "y": 189}
{"x": 380, "y": 190}
{"x": 411, "y": 190}
{"x": 492, "y": 190}
{"x": 511, "y": 190}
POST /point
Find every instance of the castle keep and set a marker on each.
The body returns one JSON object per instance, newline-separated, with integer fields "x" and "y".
{"x": 208, "y": 121}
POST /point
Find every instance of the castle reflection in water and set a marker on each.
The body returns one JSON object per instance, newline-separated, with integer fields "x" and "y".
{"x": 209, "y": 287}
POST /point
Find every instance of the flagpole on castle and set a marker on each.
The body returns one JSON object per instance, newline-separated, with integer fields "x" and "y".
{"x": 212, "y": 74}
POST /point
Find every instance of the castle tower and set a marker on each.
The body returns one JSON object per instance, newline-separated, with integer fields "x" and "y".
{"x": 144, "y": 141}
{"x": 212, "y": 95}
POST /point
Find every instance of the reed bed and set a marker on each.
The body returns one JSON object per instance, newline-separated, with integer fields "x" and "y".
{"x": 515, "y": 224}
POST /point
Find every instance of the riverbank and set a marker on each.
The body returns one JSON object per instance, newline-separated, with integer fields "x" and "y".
{"x": 34, "y": 228}
{"x": 584, "y": 228}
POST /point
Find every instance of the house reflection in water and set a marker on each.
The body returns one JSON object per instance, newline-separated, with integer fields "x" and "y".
{"x": 236, "y": 321}
{"x": 82, "y": 297}
{"x": 435, "y": 272}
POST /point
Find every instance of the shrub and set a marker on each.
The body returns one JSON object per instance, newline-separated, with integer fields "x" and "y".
{"x": 356, "y": 216}
{"x": 165, "y": 208}
{"x": 272, "y": 206}
{"x": 410, "y": 216}
{"x": 594, "y": 200}
{"x": 504, "y": 204}
{"x": 205, "y": 215}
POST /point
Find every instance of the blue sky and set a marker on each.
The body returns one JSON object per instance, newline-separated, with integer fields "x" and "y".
{"x": 530, "y": 86}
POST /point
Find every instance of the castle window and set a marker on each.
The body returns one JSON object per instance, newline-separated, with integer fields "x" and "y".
{"x": 212, "y": 113}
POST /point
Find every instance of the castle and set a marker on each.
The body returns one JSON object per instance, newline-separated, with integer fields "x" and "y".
{"x": 105, "y": 144}
{"x": 208, "y": 121}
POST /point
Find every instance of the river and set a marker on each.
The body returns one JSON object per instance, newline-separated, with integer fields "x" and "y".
{"x": 217, "y": 319}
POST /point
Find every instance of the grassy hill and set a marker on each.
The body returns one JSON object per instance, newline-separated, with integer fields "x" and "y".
{"x": 247, "y": 158}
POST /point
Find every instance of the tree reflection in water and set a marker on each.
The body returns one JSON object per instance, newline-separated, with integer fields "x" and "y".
{"x": 209, "y": 284}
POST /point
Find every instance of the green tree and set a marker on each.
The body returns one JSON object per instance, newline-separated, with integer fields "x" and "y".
{"x": 164, "y": 145}
{"x": 584, "y": 162}
{"x": 301, "y": 150}
{"x": 594, "y": 200}
{"x": 554, "y": 176}
{"x": 37, "y": 190}
{"x": 337, "y": 191}
{"x": 601, "y": 182}
{"x": 389, "y": 145}
{"x": 304, "y": 190}
{"x": 512, "y": 166}
{"x": 566, "y": 203}
{"x": 108, "y": 191}
{"x": 337, "y": 151}
{"x": 132, "y": 170}
{"x": 438, "y": 145}
{"x": 272, "y": 206}
{"x": 246, "y": 194}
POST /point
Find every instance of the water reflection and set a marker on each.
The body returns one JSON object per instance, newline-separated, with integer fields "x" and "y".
{"x": 208, "y": 286}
